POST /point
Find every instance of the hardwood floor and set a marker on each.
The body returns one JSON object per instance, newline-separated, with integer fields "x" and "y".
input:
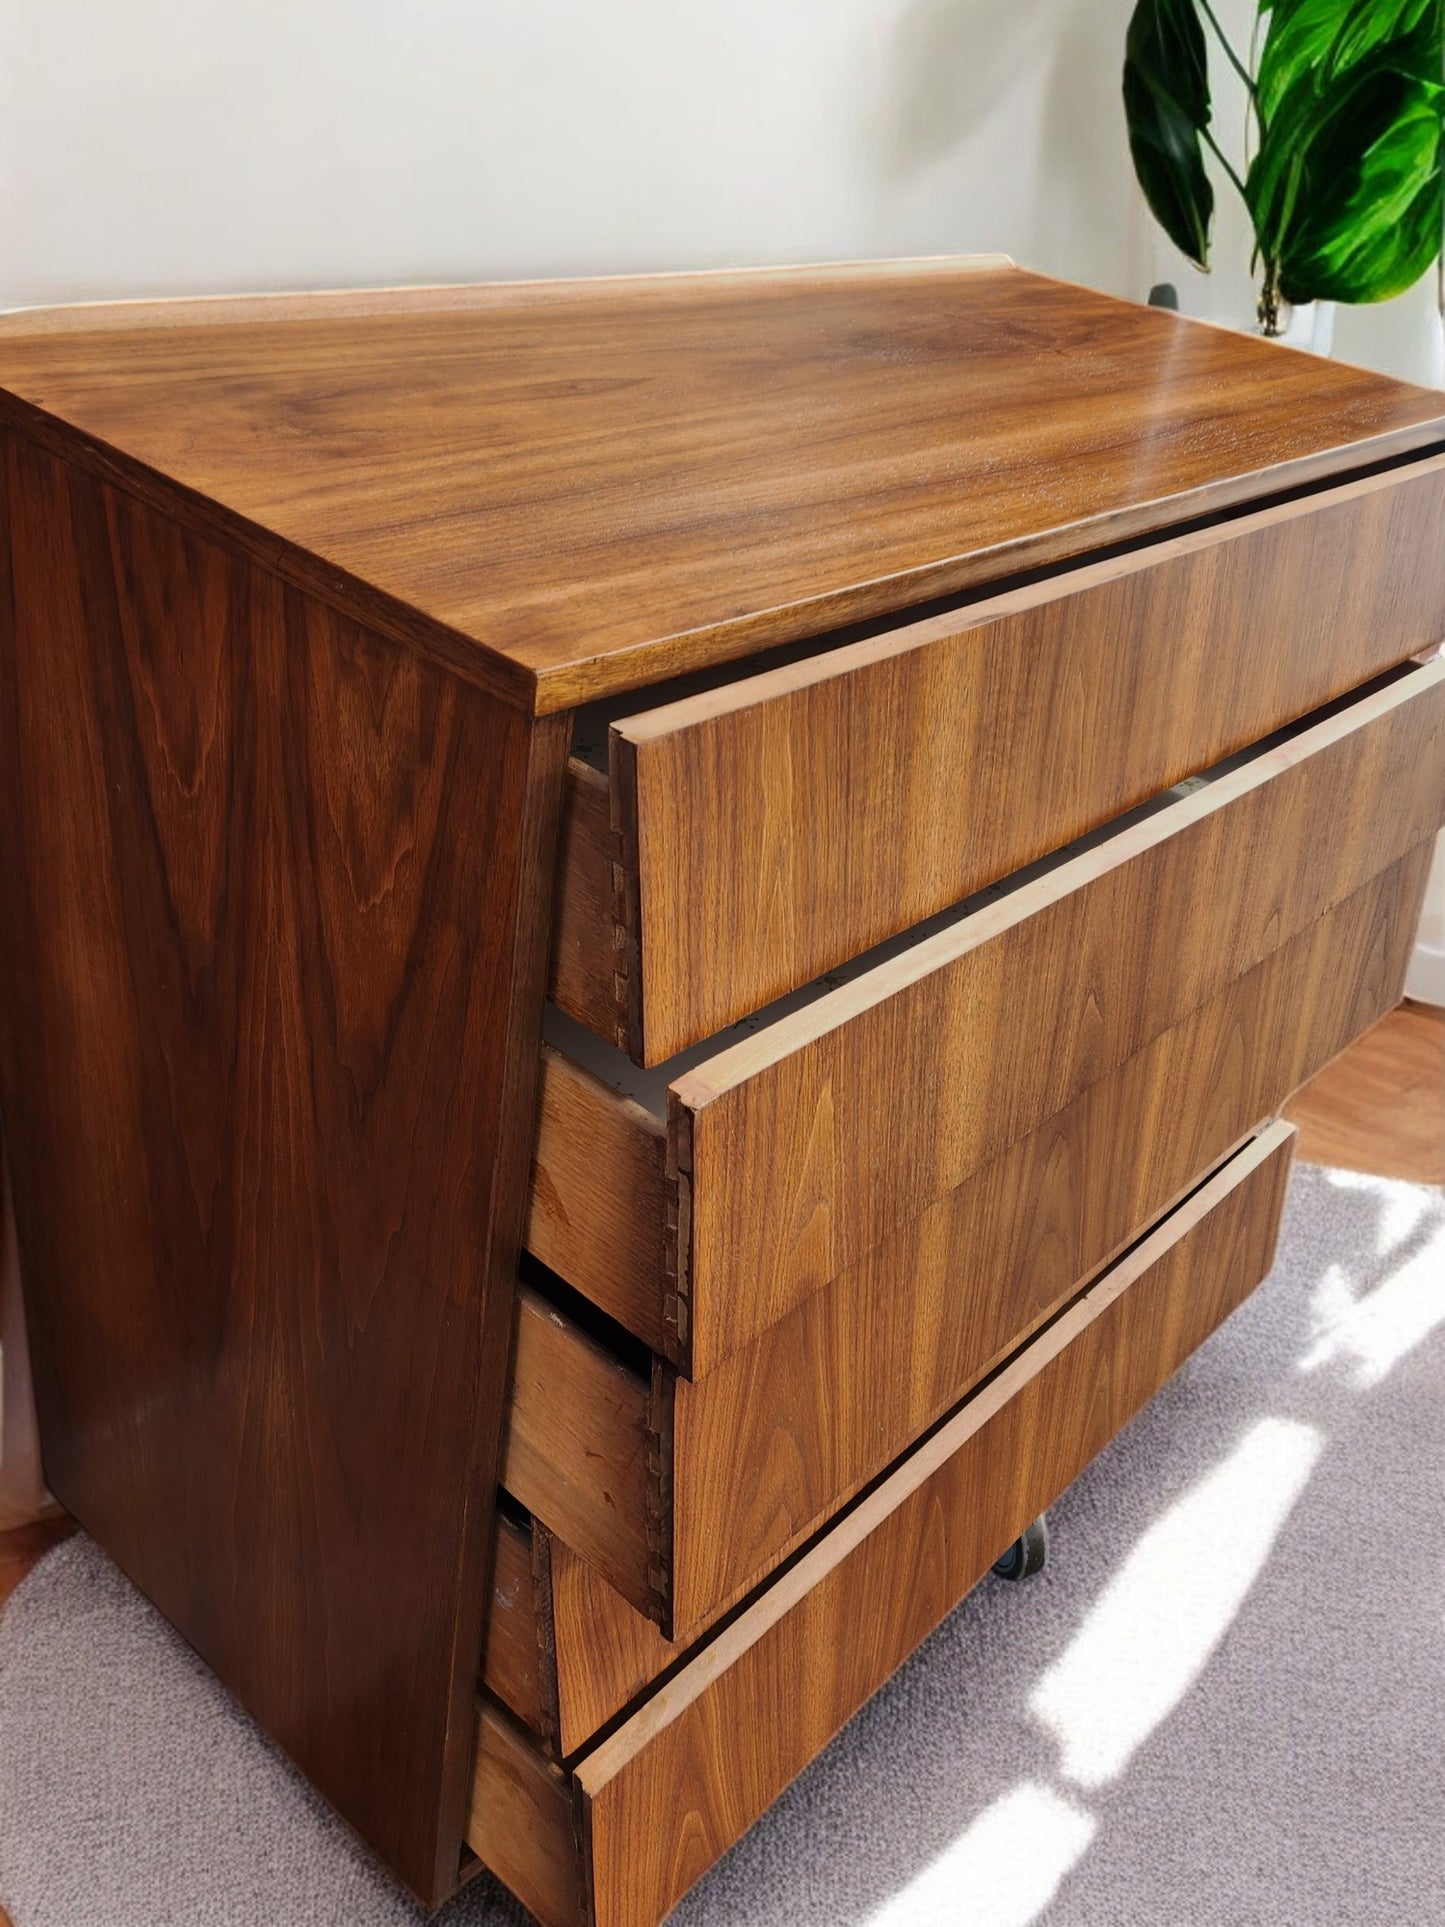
{"x": 1380, "y": 1107}
{"x": 19, "y": 1550}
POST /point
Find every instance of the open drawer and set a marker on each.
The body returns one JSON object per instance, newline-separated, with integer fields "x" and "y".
{"x": 980, "y": 1132}
{"x": 747, "y": 838}
{"x": 681, "y": 1494}
{"x": 755, "y": 1173}
{"x": 618, "y": 1837}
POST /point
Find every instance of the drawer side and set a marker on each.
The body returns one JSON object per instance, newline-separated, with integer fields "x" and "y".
{"x": 583, "y": 1446}
{"x": 520, "y": 1822}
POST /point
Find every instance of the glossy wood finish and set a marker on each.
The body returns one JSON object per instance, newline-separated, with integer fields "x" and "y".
{"x": 273, "y": 958}
{"x": 1149, "y": 924}
{"x": 790, "y": 1426}
{"x": 285, "y": 584}
{"x": 679, "y": 1782}
{"x": 785, "y": 822}
{"x": 772, "y": 1688}
{"x": 566, "y": 490}
{"x": 787, "y": 1429}
{"x": 1381, "y": 1106}
{"x": 801, "y": 1147}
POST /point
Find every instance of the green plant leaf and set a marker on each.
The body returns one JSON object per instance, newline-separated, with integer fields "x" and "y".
{"x": 1380, "y": 229}
{"x": 1346, "y": 190}
{"x": 1166, "y": 106}
{"x": 1314, "y": 42}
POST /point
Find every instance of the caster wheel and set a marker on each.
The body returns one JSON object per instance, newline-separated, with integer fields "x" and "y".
{"x": 1028, "y": 1554}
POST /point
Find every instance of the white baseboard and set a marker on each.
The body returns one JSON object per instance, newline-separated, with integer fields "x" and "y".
{"x": 1425, "y": 979}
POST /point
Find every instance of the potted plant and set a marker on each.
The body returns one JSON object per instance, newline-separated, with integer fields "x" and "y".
{"x": 1346, "y": 113}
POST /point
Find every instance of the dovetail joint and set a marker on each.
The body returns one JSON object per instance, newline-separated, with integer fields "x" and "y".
{"x": 619, "y": 950}
{"x": 659, "y": 1488}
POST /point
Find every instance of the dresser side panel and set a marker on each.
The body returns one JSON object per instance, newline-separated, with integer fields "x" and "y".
{"x": 271, "y": 971}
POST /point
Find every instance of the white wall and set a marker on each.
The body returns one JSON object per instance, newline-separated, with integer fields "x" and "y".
{"x": 1401, "y": 338}
{"x": 153, "y": 147}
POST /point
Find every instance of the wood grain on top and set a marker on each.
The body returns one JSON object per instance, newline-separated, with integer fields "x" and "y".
{"x": 582, "y": 488}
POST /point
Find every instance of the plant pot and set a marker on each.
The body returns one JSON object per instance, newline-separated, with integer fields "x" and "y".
{"x": 1311, "y": 325}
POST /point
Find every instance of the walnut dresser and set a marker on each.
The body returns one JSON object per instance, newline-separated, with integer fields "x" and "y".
{"x": 652, "y": 937}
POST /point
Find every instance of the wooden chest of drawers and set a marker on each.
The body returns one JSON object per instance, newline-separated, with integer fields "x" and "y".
{"x": 652, "y": 935}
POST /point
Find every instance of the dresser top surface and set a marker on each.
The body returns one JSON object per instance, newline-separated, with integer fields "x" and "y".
{"x": 580, "y": 488}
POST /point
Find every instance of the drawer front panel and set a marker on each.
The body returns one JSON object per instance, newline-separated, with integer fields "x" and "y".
{"x": 959, "y": 1176}
{"x": 801, "y": 1148}
{"x": 680, "y": 1781}
{"x": 787, "y": 821}
{"x": 841, "y": 1387}
{"x": 697, "y": 1256}
{"x": 824, "y": 1400}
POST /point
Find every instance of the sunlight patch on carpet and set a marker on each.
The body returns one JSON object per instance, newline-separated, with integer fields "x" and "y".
{"x": 1166, "y": 1608}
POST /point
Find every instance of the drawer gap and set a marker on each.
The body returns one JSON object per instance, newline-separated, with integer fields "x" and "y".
{"x": 649, "y": 1087}
{"x": 592, "y": 722}
{"x": 589, "y": 1318}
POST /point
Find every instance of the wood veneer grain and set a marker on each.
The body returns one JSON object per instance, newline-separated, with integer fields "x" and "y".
{"x": 781, "y": 1433}
{"x": 788, "y": 821}
{"x": 516, "y": 1667}
{"x": 606, "y": 1652}
{"x": 581, "y": 1448}
{"x": 598, "y": 1208}
{"x": 803, "y": 1145}
{"x": 785, "y": 1430}
{"x": 678, "y": 1783}
{"x": 521, "y": 1822}
{"x": 564, "y": 491}
{"x": 273, "y": 953}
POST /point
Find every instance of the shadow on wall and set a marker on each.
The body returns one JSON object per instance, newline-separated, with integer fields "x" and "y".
{"x": 1035, "y": 89}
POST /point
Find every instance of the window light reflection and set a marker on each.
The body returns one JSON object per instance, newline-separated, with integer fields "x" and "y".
{"x": 1004, "y": 1869}
{"x": 1165, "y": 1610}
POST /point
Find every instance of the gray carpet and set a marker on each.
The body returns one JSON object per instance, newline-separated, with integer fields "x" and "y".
{"x": 1222, "y": 1703}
